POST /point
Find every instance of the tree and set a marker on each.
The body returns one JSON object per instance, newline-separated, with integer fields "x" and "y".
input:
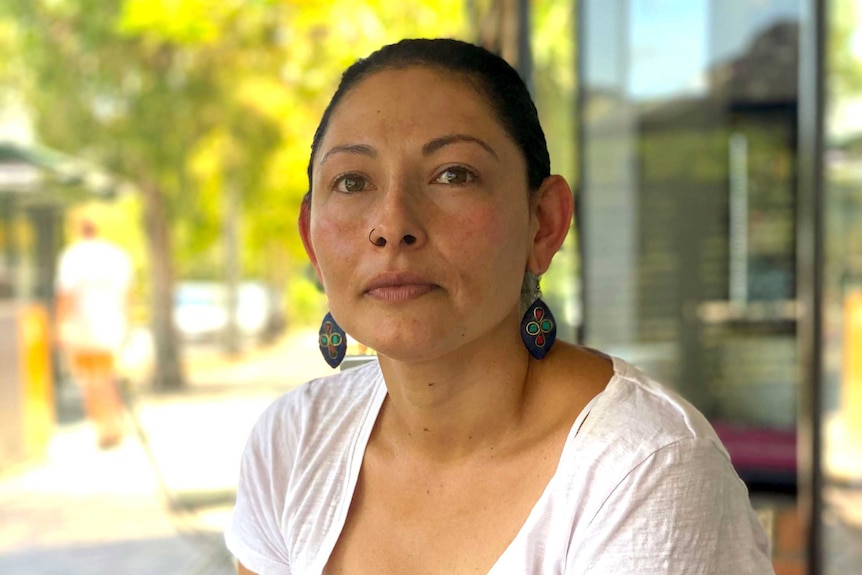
{"x": 844, "y": 49}
{"x": 185, "y": 98}
{"x": 138, "y": 96}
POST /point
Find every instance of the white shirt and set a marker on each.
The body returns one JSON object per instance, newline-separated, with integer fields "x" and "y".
{"x": 97, "y": 276}
{"x": 643, "y": 486}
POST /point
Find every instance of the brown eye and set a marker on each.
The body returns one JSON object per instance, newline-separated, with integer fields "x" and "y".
{"x": 455, "y": 175}
{"x": 351, "y": 183}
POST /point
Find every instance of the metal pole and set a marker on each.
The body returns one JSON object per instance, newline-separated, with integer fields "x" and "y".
{"x": 580, "y": 162}
{"x": 810, "y": 258}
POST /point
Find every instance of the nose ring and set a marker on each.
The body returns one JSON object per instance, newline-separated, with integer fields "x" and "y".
{"x": 379, "y": 242}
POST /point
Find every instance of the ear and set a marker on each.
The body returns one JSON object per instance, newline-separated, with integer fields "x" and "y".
{"x": 552, "y": 209}
{"x": 305, "y": 233}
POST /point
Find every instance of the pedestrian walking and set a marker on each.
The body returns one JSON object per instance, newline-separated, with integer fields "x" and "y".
{"x": 93, "y": 299}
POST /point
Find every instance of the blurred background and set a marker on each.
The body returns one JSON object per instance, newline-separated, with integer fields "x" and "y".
{"x": 715, "y": 149}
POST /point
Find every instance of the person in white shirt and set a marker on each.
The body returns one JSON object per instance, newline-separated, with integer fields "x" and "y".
{"x": 476, "y": 443}
{"x": 94, "y": 279}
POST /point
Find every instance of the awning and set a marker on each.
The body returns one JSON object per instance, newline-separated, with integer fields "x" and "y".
{"x": 38, "y": 175}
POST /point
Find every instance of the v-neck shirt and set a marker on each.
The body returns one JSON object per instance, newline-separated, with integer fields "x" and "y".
{"x": 643, "y": 485}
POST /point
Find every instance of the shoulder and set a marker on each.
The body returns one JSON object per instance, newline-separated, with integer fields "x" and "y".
{"x": 84, "y": 252}
{"x": 305, "y": 434}
{"x": 320, "y": 410}
{"x": 295, "y": 465}
{"x": 638, "y": 414}
{"x": 328, "y": 397}
{"x": 657, "y": 486}
{"x": 638, "y": 424}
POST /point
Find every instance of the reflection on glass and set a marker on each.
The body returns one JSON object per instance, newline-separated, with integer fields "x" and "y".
{"x": 665, "y": 64}
{"x": 689, "y": 131}
{"x": 688, "y": 219}
{"x": 689, "y": 199}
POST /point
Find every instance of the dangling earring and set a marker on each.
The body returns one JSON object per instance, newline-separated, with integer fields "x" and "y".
{"x": 538, "y": 327}
{"x": 332, "y": 341}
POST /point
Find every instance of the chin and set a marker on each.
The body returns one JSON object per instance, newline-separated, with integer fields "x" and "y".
{"x": 404, "y": 354}
{"x": 414, "y": 350}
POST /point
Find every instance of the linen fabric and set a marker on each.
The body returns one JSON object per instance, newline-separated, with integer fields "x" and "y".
{"x": 643, "y": 486}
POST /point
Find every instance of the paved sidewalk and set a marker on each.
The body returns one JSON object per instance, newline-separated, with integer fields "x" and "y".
{"x": 157, "y": 504}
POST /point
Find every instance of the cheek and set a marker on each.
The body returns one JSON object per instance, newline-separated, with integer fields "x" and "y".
{"x": 334, "y": 250}
{"x": 492, "y": 240}
{"x": 476, "y": 223}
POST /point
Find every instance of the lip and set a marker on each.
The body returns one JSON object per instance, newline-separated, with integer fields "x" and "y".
{"x": 399, "y": 286}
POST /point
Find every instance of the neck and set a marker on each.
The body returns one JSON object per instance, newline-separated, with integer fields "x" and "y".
{"x": 464, "y": 403}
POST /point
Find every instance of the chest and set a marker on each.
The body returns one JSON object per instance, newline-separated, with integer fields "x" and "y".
{"x": 453, "y": 522}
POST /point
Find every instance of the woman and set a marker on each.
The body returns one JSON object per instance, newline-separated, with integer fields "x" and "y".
{"x": 477, "y": 444}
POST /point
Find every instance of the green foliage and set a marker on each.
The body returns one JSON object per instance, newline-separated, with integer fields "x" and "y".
{"x": 188, "y": 22}
{"x": 303, "y": 302}
{"x": 320, "y": 39}
{"x": 844, "y": 49}
{"x": 553, "y": 46}
{"x": 195, "y": 96}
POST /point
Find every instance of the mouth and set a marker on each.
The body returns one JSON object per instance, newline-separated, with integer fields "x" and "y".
{"x": 399, "y": 286}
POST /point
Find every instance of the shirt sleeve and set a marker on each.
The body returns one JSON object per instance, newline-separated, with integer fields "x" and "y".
{"x": 681, "y": 511}
{"x": 255, "y": 535}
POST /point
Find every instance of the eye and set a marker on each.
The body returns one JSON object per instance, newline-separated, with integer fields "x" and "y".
{"x": 350, "y": 183}
{"x": 455, "y": 175}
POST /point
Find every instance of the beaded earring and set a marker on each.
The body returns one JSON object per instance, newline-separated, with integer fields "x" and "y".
{"x": 538, "y": 327}
{"x": 332, "y": 341}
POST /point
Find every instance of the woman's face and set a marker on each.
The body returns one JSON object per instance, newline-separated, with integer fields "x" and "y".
{"x": 417, "y": 155}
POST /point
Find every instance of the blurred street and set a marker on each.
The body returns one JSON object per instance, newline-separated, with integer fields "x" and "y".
{"x": 158, "y": 503}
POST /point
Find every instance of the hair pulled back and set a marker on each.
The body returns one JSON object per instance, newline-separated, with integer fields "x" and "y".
{"x": 490, "y": 74}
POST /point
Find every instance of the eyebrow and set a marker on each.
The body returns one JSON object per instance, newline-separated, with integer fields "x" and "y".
{"x": 428, "y": 149}
{"x": 443, "y": 141}
{"x": 359, "y": 149}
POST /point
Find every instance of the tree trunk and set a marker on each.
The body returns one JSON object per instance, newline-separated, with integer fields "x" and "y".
{"x": 503, "y": 27}
{"x": 231, "y": 345}
{"x": 167, "y": 373}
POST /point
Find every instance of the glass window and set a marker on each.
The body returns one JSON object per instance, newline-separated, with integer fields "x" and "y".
{"x": 687, "y": 215}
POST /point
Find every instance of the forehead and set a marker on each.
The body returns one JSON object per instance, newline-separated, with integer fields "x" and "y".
{"x": 416, "y": 97}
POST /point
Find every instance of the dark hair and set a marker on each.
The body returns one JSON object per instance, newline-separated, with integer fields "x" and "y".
{"x": 493, "y": 77}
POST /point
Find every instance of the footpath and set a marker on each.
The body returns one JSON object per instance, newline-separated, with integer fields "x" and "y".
{"x": 159, "y": 502}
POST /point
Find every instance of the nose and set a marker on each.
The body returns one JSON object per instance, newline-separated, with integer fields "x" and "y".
{"x": 398, "y": 222}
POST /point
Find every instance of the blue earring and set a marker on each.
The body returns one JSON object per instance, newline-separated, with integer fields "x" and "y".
{"x": 538, "y": 329}
{"x": 332, "y": 341}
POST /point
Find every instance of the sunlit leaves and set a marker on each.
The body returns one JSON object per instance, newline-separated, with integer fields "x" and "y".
{"x": 844, "y": 56}
{"x": 180, "y": 21}
{"x": 197, "y": 95}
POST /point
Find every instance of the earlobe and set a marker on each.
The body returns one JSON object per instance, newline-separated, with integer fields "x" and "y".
{"x": 305, "y": 233}
{"x": 553, "y": 210}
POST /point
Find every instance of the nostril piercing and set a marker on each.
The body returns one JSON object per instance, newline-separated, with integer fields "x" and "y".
{"x": 379, "y": 242}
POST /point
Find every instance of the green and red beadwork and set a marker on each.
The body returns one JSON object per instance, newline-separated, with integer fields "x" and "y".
{"x": 538, "y": 329}
{"x": 332, "y": 341}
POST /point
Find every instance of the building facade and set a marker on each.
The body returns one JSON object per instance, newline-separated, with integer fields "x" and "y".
{"x": 720, "y": 213}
